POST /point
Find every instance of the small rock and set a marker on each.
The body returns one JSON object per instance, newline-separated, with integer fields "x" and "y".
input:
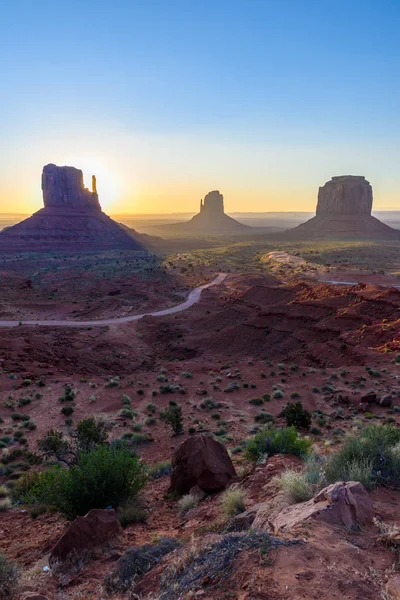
{"x": 32, "y": 596}
{"x": 386, "y": 400}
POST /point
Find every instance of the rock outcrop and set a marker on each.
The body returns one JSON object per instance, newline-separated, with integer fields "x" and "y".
{"x": 343, "y": 211}
{"x": 71, "y": 219}
{"x": 90, "y": 531}
{"x": 211, "y": 218}
{"x": 203, "y": 462}
{"x": 347, "y": 194}
{"x": 63, "y": 187}
{"x": 346, "y": 504}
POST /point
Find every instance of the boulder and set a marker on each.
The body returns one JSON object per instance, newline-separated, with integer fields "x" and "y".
{"x": 90, "y": 531}
{"x": 386, "y": 400}
{"x": 370, "y": 398}
{"x": 201, "y": 461}
{"x": 342, "y": 503}
{"x": 393, "y": 588}
{"x": 32, "y": 596}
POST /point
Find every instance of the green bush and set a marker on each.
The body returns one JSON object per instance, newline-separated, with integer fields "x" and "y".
{"x": 370, "y": 457}
{"x": 173, "y": 417}
{"x": 9, "y": 578}
{"x": 256, "y": 401}
{"x": 91, "y": 432}
{"x": 273, "y": 440}
{"x": 105, "y": 476}
{"x": 297, "y": 415}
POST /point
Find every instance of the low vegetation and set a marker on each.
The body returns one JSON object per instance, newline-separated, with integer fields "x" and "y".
{"x": 274, "y": 440}
{"x": 9, "y": 579}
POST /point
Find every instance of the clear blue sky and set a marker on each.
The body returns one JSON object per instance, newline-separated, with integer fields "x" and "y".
{"x": 166, "y": 99}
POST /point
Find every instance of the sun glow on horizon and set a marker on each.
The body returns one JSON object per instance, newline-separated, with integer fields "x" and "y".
{"x": 109, "y": 186}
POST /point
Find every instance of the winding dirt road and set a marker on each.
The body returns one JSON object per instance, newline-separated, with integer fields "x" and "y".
{"x": 193, "y": 297}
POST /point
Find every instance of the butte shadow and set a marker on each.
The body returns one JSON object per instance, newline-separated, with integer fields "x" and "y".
{"x": 343, "y": 212}
{"x": 71, "y": 220}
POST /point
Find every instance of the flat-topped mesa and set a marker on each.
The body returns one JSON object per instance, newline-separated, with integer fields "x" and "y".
{"x": 63, "y": 187}
{"x": 213, "y": 203}
{"x": 343, "y": 212}
{"x": 71, "y": 220}
{"x": 346, "y": 194}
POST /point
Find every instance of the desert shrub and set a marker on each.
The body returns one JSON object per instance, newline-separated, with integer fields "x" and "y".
{"x": 53, "y": 444}
{"x": 256, "y": 401}
{"x": 127, "y": 413}
{"x": 105, "y": 476}
{"x": 264, "y": 417}
{"x": 114, "y": 382}
{"x": 150, "y": 421}
{"x": 296, "y": 487}
{"x": 369, "y": 457}
{"x": 187, "y": 502}
{"x": 231, "y": 387}
{"x": 9, "y": 578}
{"x": 232, "y": 502}
{"x": 90, "y": 432}
{"x": 208, "y": 403}
{"x": 297, "y": 415}
{"x": 273, "y": 440}
{"x": 173, "y": 417}
{"x": 277, "y": 394}
{"x": 24, "y": 401}
{"x": 20, "y": 417}
{"x": 160, "y": 469}
{"x": 126, "y": 400}
{"x": 135, "y": 563}
{"x": 67, "y": 410}
{"x": 130, "y": 514}
{"x": 69, "y": 394}
{"x": 187, "y": 374}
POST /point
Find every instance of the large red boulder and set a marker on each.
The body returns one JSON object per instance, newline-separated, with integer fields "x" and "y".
{"x": 201, "y": 461}
{"x": 94, "y": 529}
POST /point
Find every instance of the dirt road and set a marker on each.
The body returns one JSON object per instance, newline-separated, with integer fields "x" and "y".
{"x": 193, "y": 297}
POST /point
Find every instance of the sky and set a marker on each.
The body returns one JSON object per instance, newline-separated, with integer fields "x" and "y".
{"x": 165, "y": 100}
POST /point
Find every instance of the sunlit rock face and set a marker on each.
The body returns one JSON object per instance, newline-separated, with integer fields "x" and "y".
{"x": 63, "y": 187}
{"x": 71, "y": 219}
{"x": 346, "y": 194}
{"x": 343, "y": 212}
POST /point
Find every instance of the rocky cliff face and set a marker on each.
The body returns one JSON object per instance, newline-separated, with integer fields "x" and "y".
{"x": 347, "y": 194}
{"x": 71, "y": 219}
{"x": 63, "y": 187}
{"x": 343, "y": 212}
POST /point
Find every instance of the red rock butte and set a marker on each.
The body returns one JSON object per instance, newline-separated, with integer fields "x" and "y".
{"x": 212, "y": 217}
{"x": 70, "y": 220}
{"x": 343, "y": 211}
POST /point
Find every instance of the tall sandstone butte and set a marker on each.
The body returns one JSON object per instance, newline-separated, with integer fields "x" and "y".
{"x": 211, "y": 218}
{"x": 343, "y": 211}
{"x": 71, "y": 219}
